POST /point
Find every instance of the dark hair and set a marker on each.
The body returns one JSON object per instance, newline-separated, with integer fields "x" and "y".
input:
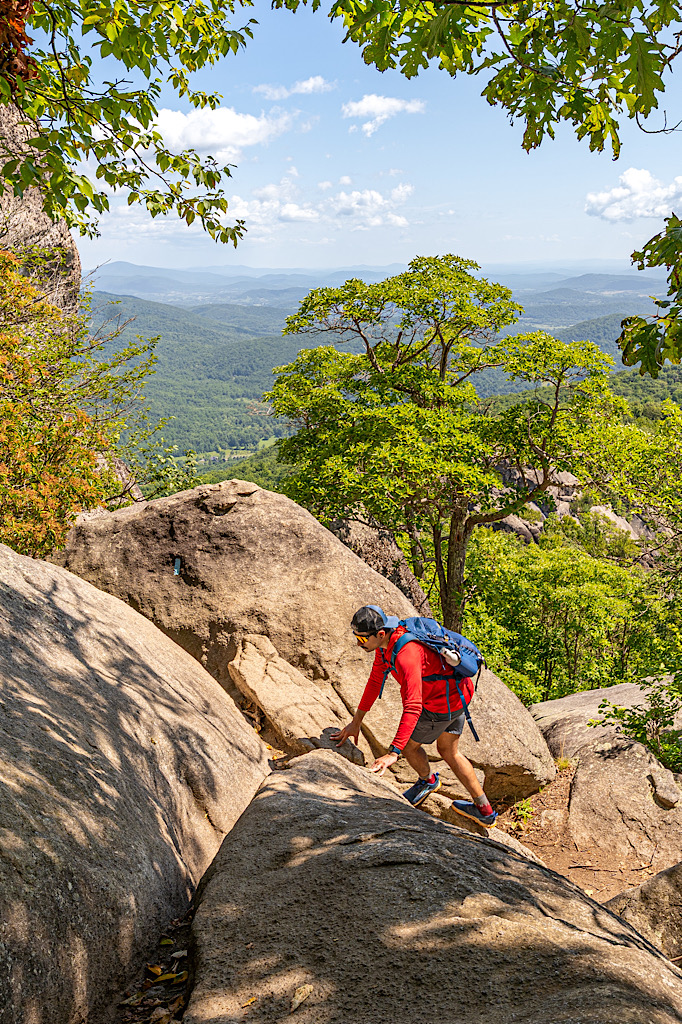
{"x": 368, "y": 620}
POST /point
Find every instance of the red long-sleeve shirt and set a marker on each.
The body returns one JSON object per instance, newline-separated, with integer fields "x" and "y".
{"x": 412, "y": 664}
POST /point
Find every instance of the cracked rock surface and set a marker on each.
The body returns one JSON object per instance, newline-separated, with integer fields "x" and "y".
{"x": 654, "y": 908}
{"x": 385, "y": 915}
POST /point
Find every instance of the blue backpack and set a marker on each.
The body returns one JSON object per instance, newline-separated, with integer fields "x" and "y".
{"x": 461, "y": 658}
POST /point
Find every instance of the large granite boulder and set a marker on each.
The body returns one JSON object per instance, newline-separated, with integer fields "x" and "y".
{"x": 124, "y": 765}
{"x": 24, "y": 225}
{"x": 626, "y": 807}
{"x": 334, "y": 896}
{"x": 654, "y": 908}
{"x": 250, "y": 561}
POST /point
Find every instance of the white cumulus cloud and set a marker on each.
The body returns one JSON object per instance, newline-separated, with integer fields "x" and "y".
{"x": 638, "y": 194}
{"x": 223, "y": 132}
{"x": 316, "y": 83}
{"x": 378, "y": 109}
{"x": 286, "y": 202}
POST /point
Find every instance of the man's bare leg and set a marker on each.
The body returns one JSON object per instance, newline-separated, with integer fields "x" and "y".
{"x": 415, "y": 755}
{"x": 447, "y": 744}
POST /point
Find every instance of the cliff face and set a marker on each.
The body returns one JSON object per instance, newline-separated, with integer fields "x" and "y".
{"x": 25, "y": 225}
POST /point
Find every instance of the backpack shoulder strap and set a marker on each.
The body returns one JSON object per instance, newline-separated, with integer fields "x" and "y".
{"x": 397, "y": 648}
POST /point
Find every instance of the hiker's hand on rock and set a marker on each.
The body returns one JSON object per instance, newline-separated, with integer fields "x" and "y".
{"x": 349, "y": 731}
{"x": 383, "y": 762}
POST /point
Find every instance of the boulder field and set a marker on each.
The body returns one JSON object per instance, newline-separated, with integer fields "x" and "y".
{"x": 251, "y": 562}
{"x": 334, "y": 896}
{"x": 123, "y": 764}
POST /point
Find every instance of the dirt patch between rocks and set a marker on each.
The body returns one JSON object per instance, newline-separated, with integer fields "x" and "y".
{"x": 540, "y": 822}
{"x": 160, "y": 992}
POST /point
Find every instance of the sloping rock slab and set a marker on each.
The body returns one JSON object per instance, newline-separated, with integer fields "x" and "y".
{"x": 298, "y": 710}
{"x": 654, "y": 908}
{"x": 250, "y": 562}
{"x": 511, "y": 753}
{"x": 625, "y": 804}
{"x": 564, "y": 722}
{"x": 123, "y": 765}
{"x": 332, "y": 886}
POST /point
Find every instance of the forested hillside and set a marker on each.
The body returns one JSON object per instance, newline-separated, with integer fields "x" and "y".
{"x": 215, "y": 361}
{"x": 210, "y": 376}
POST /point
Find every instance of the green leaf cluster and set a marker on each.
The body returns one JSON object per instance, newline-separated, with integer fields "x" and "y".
{"x": 589, "y": 63}
{"x": 72, "y": 120}
{"x": 554, "y": 618}
{"x": 651, "y": 341}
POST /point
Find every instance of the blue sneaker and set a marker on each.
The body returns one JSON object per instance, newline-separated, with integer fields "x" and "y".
{"x": 470, "y": 810}
{"x": 418, "y": 793}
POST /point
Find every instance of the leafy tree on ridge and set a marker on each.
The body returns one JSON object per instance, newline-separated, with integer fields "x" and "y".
{"x": 67, "y": 413}
{"x": 397, "y": 432}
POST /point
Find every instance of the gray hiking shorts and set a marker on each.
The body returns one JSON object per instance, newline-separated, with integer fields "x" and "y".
{"x": 431, "y": 725}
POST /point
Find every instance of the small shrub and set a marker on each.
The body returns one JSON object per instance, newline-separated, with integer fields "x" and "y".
{"x": 651, "y": 723}
{"x": 524, "y": 810}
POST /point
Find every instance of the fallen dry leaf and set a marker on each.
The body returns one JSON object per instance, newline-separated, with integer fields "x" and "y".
{"x": 155, "y": 969}
{"x": 300, "y": 995}
{"x": 133, "y": 1000}
{"x": 160, "y": 1015}
{"x": 170, "y": 976}
{"x": 249, "y": 1001}
{"x": 180, "y": 952}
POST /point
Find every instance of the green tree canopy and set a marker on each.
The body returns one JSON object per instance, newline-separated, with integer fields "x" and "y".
{"x": 588, "y": 63}
{"x": 552, "y": 619}
{"x": 50, "y": 80}
{"x": 397, "y": 432}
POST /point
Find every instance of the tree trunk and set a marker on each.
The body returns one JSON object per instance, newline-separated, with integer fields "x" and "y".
{"x": 452, "y": 597}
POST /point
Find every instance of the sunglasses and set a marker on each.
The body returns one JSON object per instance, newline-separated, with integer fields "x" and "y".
{"x": 362, "y": 639}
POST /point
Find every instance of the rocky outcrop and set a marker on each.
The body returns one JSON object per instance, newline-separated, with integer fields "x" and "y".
{"x": 511, "y": 753}
{"x": 302, "y": 714}
{"x": 616, "y": 521}
{"x": 378, "y": 548}
{"x": 254, "y": 562}
{"x": 124, "y": 764}
{"x": 385, "y": 915}
{"x": 564, "y": 722}
{"x": 654, "y": 909}
{"x": 626, "y": 805}
{"x": 25, "y": 226}
{"x": 248, "y": 561}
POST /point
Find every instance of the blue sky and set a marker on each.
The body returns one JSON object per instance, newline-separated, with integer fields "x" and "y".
{"x": 338, "y": 164}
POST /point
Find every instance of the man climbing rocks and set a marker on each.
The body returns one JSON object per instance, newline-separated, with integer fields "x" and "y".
{"x": 426, "y": 717}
